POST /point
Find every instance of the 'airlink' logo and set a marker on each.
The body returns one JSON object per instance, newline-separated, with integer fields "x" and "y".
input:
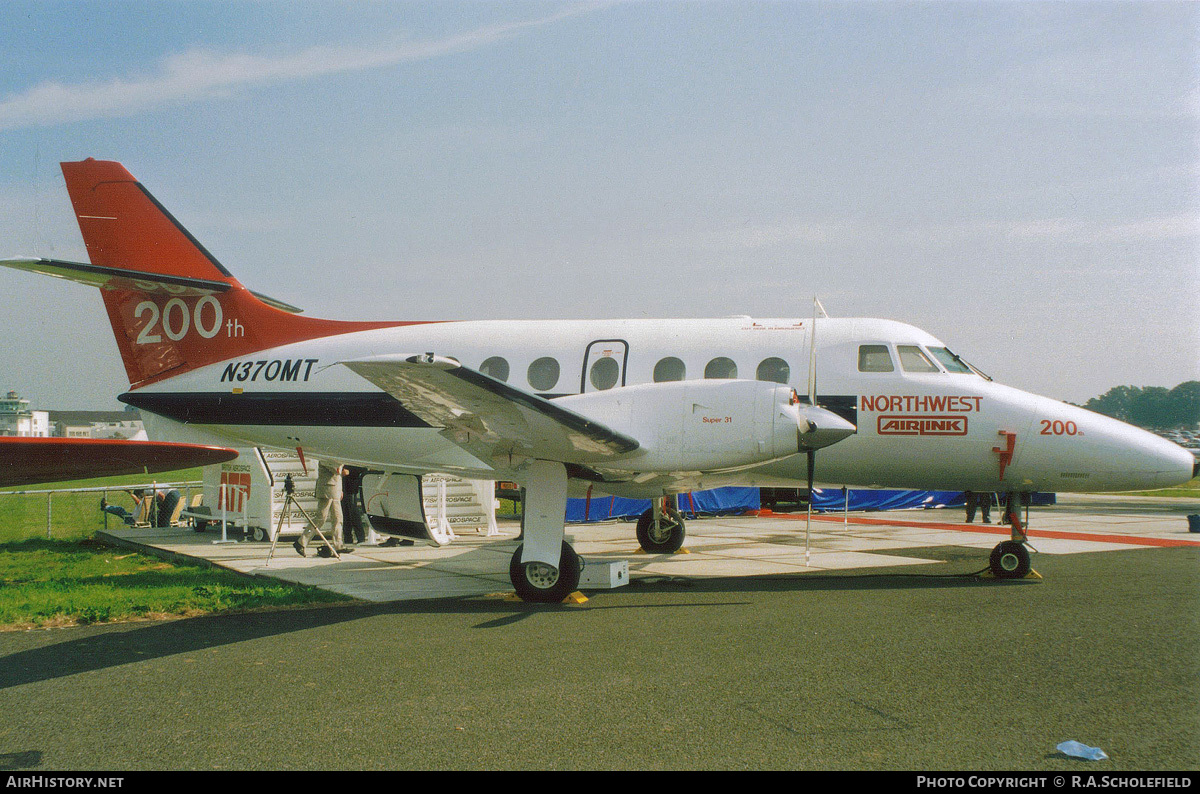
{"x": 922, "y": 425}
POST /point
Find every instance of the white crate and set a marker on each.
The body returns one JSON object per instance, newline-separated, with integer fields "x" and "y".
{"x": 604, "y": 575}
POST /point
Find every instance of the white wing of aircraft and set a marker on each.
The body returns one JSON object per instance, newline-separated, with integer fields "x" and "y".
{"x": 488, "y": 416}
{"x": 644, "y": 408}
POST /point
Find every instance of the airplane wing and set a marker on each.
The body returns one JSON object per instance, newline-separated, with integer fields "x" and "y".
{"x": 25, "y": 461}
{"x": 488, "y": 417}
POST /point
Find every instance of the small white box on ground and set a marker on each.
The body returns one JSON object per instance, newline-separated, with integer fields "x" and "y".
{"x": 604, "y": 575}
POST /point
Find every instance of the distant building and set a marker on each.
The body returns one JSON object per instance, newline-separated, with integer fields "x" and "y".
{"x": 17, "y": 419}
{"x": 97, "y": 424}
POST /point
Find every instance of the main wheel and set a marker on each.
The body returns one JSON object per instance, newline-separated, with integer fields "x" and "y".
{"x": 1010, "y": 560}
{"x": 665, "y": 538}
{"x": 545, "y": 584}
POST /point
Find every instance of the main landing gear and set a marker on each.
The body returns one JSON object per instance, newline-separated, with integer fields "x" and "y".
{"x": 660, "y": 530}
{"x": 1010, "y": 559}
{"x": 544, "y": 568}
{"x": 544, "y": 583}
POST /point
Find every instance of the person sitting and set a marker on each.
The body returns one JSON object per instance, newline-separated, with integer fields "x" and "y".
{"x": 158, "y": 511}
{"x": 166, "y": 504}
{"x": 140, "y": 505}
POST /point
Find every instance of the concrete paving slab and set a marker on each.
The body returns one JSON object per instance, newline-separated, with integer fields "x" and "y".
{"x": 1052, "y": 546}
{"x": 732, "y": 546}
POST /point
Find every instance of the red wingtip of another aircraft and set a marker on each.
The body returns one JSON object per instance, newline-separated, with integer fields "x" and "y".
{"x": 25, "y": 461}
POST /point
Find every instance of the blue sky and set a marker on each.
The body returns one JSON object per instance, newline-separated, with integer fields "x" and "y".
{"x": 1019, "y": 179}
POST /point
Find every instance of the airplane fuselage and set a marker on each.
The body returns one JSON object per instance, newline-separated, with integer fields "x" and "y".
{"x": 925, "y": 419}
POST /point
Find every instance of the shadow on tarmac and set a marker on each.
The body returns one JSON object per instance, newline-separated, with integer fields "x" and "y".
{"x": 117, "y": 644}
{"x": 107, "y": 646}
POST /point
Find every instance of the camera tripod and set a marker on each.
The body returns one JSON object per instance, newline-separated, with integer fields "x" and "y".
{"x": 289, "y": 501}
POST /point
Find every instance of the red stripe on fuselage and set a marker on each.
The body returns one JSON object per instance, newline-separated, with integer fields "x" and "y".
{"x": 1002, "y": 529}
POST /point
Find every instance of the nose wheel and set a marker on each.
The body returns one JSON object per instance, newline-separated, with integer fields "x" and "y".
{"x": 1010, "y": 560}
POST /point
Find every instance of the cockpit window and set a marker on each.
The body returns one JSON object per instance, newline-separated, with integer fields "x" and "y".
{"x": 874, "y": 358}
{"x": 949, "y": 360}
{"x": 913, "y": 359}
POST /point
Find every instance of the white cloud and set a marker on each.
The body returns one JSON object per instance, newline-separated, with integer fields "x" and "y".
{"x": 200, "y": 74}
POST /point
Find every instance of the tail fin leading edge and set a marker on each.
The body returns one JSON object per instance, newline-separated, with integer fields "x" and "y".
{"x": 173, "y": 307}
{"x": 125, "y": 227}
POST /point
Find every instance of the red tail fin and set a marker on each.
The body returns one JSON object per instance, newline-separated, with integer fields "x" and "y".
{"x": 172, "y": 305}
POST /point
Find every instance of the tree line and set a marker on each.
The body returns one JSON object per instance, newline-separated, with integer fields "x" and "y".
{"x": 1154, "y": 407}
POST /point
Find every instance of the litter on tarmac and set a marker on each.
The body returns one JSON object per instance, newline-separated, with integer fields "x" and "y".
{"x": 1077, "y": 750}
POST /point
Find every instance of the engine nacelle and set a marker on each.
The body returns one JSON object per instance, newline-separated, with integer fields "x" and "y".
{"x": 708, "y": 425}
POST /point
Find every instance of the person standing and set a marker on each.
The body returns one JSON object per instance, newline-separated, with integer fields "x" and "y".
{"x": 352, "y": 511}
{"x": 981, "y": 502}
{"x": 985, "y": 506}
{"x": 329, "y": 501}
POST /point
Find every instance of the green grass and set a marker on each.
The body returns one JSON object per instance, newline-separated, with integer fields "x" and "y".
{"x": 72, "y": 579}
{"x": 1188, "y": 490}
{"x": 72, "y": 515}
{"x": 47, "y": 583}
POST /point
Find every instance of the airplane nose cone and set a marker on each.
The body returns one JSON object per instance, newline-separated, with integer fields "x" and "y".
{"x": 1164, "y": 462}
{"x": 1108, "y": 455}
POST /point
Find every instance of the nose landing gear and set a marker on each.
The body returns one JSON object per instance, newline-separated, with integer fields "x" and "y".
{"x": 1010, "y": 559}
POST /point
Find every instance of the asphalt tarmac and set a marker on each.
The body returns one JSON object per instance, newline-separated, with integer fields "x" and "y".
{"x": 909, "y": 667}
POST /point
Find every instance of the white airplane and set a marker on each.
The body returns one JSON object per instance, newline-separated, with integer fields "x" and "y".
{"x": 640, "y": 408}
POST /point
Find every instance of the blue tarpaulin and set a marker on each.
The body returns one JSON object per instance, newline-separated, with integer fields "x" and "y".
{"x": 832, "y": 499}
{"x": 733, "y": 501}
{"x": 718, "y": 501}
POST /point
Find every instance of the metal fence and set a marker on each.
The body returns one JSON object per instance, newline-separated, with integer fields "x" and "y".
{"x": 185, "y": 488}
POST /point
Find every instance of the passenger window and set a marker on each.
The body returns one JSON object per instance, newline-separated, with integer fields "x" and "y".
{"x": 913, "y": 359}
{"x": 543, "y": 373}
{"x": 495, "y": 367}
{"x": 720, "y": 368}
{"x": 604, "y": 373}
{"x": 773, "y": 370}
{"x": 669, "y": 369}
{"x": 949, "y": 360}
{"x": 874, "y": 358}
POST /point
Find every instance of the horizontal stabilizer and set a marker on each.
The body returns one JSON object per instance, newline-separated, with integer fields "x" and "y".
{"x": 488, "y": 417}
{"x": 115, "y": 278}
{"x": 111, "y": 278}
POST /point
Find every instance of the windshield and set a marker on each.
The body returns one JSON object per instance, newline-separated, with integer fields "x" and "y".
{"x": 913, "y": 360}
{"x": 954, "y": 362}
{"x": 949, "y": 360}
